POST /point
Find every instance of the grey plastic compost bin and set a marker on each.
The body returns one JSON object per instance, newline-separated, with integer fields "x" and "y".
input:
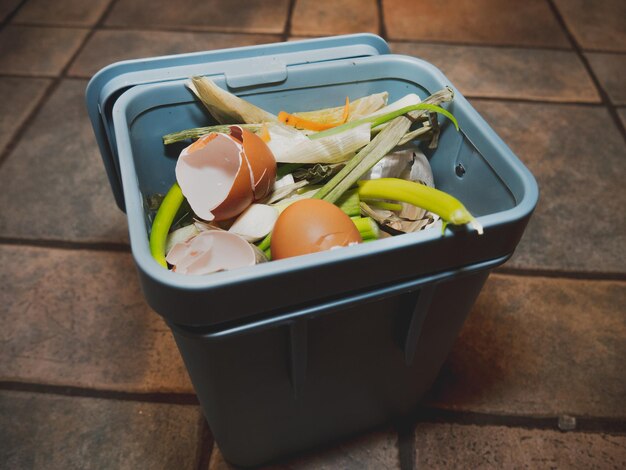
{"x": 294, "y": 353}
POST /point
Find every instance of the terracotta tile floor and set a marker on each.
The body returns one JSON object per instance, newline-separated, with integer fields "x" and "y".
{"x": 90, "y": 377}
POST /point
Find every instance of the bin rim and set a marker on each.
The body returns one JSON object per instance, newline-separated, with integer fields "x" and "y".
{"x": 151, "y": 269}
{"x": 246, "y": 326}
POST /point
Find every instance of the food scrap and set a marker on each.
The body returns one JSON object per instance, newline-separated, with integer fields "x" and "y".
{"x": 263, "y": 187}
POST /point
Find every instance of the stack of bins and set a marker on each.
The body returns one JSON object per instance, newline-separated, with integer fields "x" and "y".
{"x": 294, "y": 353}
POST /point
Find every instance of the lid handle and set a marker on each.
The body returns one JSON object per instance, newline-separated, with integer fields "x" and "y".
{"x": 255, "y": 71}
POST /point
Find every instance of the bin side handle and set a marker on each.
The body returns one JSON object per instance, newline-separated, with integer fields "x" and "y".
{"x": 422, "y": 305}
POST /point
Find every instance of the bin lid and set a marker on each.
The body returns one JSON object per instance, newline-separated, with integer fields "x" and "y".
{"x": 241, "y": 67}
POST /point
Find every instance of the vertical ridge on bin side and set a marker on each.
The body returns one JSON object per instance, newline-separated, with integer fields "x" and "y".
{"x": 422, "y": 305}
{"x": 298, "y": 336}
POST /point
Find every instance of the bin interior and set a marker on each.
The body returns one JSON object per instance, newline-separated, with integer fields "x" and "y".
{"x": 167, "y": 107}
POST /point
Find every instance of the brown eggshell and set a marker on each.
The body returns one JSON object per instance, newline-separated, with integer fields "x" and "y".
{"x": 309, "y": 226}
{"x": 261, "y": 160}
{"x": 206, "y": 171}
{"x": 239, "y": 197}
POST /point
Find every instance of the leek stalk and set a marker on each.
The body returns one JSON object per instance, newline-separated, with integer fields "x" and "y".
{"x": 265, "y": 243}
{"x": 350, "y": 203}
{"x": 367, "y": 228}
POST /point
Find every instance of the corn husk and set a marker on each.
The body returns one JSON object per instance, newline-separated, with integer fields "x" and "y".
{"x": 358, "y": 109}
{"x": 225, "y": 107}
{"x": 284, "y": 181}
{"x": 292, "y": 146}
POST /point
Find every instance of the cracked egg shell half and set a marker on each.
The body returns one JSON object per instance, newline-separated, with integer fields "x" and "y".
{"x": 310, "y": 226}
{"x": 222, "y": 174}
{"x": 211, "y": 251}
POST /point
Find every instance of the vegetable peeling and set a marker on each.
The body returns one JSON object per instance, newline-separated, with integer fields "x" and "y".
{"x": 266, "y": 187}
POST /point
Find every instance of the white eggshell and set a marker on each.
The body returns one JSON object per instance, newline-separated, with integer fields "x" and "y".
{"x": 211, "y": 251}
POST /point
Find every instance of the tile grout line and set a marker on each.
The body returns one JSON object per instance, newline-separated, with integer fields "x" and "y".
{"x": 206, "y": 445}
{"x": 290, "y": 12}
{"x": 66, "y": 244}
{"x": 107, "y": 11}
{"x": 21, "y": 130}
{"x": 498, "y": 46}
{"x": 88, "y": 37}
{"x": 405, "y": 435}
{"x": 12, "y": 14}
{"x": 24, "y": 24}
{"x": 172, "y": 398}
{"x": 561, "y": 274}
{"x": 604, "y": 96}
{"x": 100, "y": 26}
{"x": 382, "y": 32}
{"x": 424, "y": 414}
{"x": 382, "y": 27}
{"x": 56, "y": 81}
{"x": 584, "y": 424}
{"x": 538, "y": 101}
{"x": 432, "y": 42}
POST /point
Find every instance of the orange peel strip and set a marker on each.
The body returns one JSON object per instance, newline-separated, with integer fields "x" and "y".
{"x": 295, "y": 121}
